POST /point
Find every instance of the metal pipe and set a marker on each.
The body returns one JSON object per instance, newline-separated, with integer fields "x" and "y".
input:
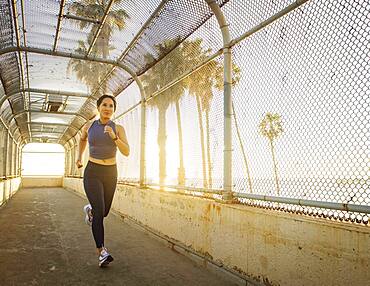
{"x": 16, "y": 28}
{"x": 8, "y": 128}
{"x": 128, "y": 110}
{"x": 6, "y": 138}
{"x": 142, "y": 137}
{"x": 50, "y": 91}
{"x": 185, "y": 74}
{"x": 26, "y": 56}
{"x": 46, "y": 132}
{"x": 50, "y": 112}
{"x": 142, "y": 29}
{"x": 186, "y": 188}
{"x": 224, "y": 26}
{"x": 43, "y": 123}
{"x": 60, "y": 16}
{"x": 79, "y": 18}
{"x": 105, "y": 16}
{"x": 62, "y": 54}
{"x": 310, "y": 203}
{"x": 46, "y": 91}
{"x": 265, "y": 23}
{"x": 53, "y": 124}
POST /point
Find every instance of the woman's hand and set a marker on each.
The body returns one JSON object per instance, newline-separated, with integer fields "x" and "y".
{"x": 79, "y": 163}
{"x": 109, "y": 130}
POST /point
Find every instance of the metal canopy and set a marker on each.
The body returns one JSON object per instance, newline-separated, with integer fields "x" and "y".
{"x": 44, "y": 45}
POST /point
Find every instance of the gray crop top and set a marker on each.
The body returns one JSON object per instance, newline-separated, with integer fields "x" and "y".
{"x": 101, "y": 145}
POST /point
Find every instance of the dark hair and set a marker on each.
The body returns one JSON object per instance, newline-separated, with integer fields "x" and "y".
{"x": 100, "y": 100}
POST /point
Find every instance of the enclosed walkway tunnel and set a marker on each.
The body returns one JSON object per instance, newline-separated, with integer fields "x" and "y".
{"x": 248, "y": 124}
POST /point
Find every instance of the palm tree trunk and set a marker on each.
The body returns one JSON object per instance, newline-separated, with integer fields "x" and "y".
{"x": 181, "y": 170}
{"x": 243, "y": 151}
{"x": 162, "y": 145}
{"x": 208, "y": 151}
{"x": 205, "y": 185}
{"x": 275, "y": 167}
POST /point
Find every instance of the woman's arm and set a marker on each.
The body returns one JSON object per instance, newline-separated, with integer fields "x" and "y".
{"x": 82, "y": 145}
{"x": 121, "y": 141}
{"x": 119, "y": 138}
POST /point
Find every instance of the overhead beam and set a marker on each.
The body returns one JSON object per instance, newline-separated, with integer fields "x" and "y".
{"x": 49, "y": 91}
{"x": 60, "y": 16}
{"x": 51, "y": 124}
{"x": 79, "y": 18}
{"x": 98, "y": 31}
{"x": 47, "y": 112}
{"x": 48, "y": 132}
{"x": 45, "y": 91}
{"x": 66, "y": 55}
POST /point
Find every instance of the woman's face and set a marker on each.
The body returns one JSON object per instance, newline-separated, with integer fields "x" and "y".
{"x": 106, "y": 108}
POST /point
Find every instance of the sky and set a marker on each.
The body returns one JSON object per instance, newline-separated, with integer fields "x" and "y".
{"x": 40, "y": 159}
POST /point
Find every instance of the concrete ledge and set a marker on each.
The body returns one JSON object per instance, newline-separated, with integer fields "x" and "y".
{"x": 8, "y": 188}
{"x": 29, "y": 182}
{"x": 270, "y": 247}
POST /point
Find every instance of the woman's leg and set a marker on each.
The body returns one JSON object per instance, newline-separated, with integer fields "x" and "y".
{"x": 109, "y": 183}
{"x": 95, "y": 193}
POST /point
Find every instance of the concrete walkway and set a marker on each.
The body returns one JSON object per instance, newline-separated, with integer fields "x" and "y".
{"x": 44, "y": 241}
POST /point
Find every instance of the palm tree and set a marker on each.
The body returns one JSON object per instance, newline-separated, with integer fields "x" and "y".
{"x": 201, "y": 85}
{"x": 181, "y": 59}
{"x": 88, "y": 72}
{"x": 181, "y": 170}
{"x": 153, "y": 80}
{"x": 271, "y": 127}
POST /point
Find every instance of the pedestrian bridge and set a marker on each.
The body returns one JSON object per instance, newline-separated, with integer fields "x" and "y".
{"x": 248, "y": 124}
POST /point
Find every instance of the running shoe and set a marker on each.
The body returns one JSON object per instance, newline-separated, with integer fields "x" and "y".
{"x": 88, "y": 214}
{"x": 104, "y": 258}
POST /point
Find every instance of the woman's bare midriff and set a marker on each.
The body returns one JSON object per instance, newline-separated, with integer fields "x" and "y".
{"x": 109, "y": 161}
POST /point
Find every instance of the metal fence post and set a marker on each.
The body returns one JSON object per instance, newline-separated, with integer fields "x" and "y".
{"x": 228, "y": 182}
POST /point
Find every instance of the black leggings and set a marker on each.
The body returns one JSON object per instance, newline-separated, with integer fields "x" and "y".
{"x": 100, "y": 183}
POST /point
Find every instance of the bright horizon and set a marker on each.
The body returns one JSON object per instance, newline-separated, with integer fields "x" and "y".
{"x": 43, "y": 159}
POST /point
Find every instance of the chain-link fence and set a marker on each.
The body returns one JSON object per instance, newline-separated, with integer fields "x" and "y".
{"x": 301, "y": 105}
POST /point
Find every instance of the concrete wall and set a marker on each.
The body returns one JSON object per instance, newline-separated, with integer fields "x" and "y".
{"x": 29, "y": 182}
{"x": 8, "y": 188}
{"x": 273, "y": 247}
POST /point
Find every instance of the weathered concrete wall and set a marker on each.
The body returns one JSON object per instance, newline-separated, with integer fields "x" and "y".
{"x": 29, "y": 182}
{"x": 274, "y": 247}
{"x": 8, "y": 188}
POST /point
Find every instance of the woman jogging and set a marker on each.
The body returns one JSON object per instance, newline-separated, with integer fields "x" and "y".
{"x": 100, "y": 176}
